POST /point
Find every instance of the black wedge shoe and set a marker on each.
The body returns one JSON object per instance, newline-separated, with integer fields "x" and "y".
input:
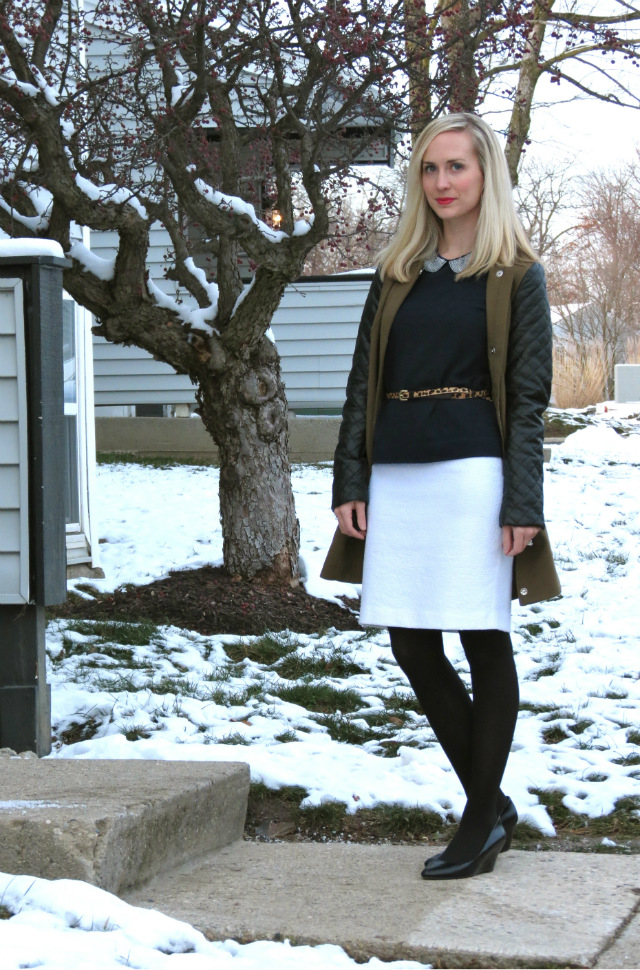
{"x": 508, "y": 817}
{"x": 436, "y": 868}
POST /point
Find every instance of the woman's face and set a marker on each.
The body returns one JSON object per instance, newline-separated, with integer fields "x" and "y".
{"x": 452, "y": 178}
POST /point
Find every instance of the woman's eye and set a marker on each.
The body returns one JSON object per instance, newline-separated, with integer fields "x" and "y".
{"x": 429, "y": 168}
{"x": 457, "y": 166}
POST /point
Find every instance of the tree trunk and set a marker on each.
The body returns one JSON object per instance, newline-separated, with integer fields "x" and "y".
{"x": 245, "y": 410}
{"x": 529, "y": 75}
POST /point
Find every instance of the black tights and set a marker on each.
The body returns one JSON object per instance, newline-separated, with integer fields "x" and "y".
{"x": 476, "y": 734}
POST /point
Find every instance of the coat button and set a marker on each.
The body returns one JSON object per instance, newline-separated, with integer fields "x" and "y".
{"x": 530, "y": 542}
{"x": 524, "y": 591}
{"x": 499, "y": 273}
{"x": 493, "y": 350}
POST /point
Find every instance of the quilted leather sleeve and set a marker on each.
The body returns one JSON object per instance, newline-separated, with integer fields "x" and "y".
{"x": 350, "y": 473}
{"x": 528, "y": 387}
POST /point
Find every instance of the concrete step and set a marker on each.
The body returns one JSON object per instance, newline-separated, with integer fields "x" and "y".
{"x": 116, "y": 824}
{"x": 537, "y": 909}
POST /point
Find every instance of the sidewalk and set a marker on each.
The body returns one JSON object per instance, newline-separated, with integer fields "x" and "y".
{"x": 174, "y": 831}
{"x": 544, "y": 909}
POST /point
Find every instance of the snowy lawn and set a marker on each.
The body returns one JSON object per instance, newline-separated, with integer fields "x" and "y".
{"x": 332, "y": 712}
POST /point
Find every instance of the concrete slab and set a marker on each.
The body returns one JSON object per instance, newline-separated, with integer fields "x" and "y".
{"x": 116, "y": 823}
{"x": 625, "y": 950}
{"x": 534, "y": 910}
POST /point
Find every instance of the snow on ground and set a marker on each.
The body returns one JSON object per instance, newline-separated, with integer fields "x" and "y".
{"x": 180, "y": 697}
{"x": 67, "y": 925}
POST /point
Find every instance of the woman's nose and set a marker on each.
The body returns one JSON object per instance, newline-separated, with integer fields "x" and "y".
{"x": 442, "y": 179}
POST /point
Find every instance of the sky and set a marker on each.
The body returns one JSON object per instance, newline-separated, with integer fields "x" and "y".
{"x": 595, "y": 134}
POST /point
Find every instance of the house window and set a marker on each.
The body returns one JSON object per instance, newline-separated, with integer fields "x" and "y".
{"x": 70, "y": 361}
{"x": 79, "y": 432}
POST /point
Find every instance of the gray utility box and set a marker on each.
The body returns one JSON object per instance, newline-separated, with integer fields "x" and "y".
{"x": 32, "y": 480}
{"x": 627, "y": 383}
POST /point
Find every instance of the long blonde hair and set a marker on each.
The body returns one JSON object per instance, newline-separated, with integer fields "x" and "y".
{"x": 500, "y": 237}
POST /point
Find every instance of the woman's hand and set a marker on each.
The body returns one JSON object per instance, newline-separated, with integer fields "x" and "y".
{"x": 516, "y": 537}
{"x": 345, "y": 516}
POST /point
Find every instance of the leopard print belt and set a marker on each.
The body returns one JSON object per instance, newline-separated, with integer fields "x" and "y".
{"x": 442, "y": 392}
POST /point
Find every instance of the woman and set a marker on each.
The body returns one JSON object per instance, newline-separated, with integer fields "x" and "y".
{"x": 439, "y": 460}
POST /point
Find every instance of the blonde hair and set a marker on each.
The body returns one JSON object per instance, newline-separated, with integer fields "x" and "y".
{"x": 500, "y": 237}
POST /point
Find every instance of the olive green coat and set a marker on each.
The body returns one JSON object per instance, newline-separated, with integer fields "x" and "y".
{"x": 534, "y": 577}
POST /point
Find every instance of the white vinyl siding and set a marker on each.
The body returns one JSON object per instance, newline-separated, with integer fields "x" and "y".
{"x": 315, "y": 328}
{"x": 14, "y": 487}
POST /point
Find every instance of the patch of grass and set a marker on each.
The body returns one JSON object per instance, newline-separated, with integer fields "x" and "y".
{"x": 114, "y": 631}
{"x": 543, "y": 709}
{"x": 402, "y": 701}
{"x": 157, "y": 461}
{"x": 554, "y": 735}
{"x": 267, "y": 649}
{"x": 335, "y": 663}
{"x": 554, "y": 624}
{"x": 260, "y": 793}
{"x": 579, "y": 727}
{"x": 286, "y": 737}
{"x": 628, "y": 760}
{"x": 319, "y": 697}
{"x": 614, "y": 559}
{"x": 533, "y": 628}
{"x": 376, "y": 718}
{"x": 231, "y": 698}
{"x": 633, "y": 736}
{"x": 343, "y": 729}
{"x": 120, "y": 683}
{"x": 396, "y": 821}
{"x": 79, "y": 731}
{"x": 623, "y": 821}
{"x": 5, "y": 912}
{"x": 166, "y": 684}
{"x": 234, "y": 738}
{"x": 548, "y": 670}
{"x": 389, "y": 747}
{"x": 328, "y": 816}
{"x": 135, "y": 731}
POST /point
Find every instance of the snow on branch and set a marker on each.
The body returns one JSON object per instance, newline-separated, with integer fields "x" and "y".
{"x": 238, "y": 207}
{"x": 197, "y": 319}
{"x": 104, "y": 269}
{"x": 109, "y": 193}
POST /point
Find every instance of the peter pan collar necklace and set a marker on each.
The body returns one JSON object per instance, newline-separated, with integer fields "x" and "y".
{"x": 437, "y": 262}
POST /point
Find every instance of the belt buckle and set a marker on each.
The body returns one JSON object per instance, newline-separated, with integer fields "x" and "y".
{"x": 403, "y": 395}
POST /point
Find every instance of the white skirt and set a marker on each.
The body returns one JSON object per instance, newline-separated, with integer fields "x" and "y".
{"x": 433, "y": 556}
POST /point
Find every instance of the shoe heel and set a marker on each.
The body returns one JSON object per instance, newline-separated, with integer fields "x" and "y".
{"x": 509, "y": 819}
{"x": 488, "y": 863}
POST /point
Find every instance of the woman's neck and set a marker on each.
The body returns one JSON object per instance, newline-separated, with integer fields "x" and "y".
{"x": 457, "y": 240}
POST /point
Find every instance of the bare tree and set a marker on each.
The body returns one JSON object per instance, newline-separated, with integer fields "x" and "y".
{"x": 597, "y": 291}
{"x": 547, "y": 204}
{"x": 227, "y": 123}
{"x": 461, "y": 49}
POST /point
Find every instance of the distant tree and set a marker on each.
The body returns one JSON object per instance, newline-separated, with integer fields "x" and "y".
{"x": 597, "y": 286}
{"x": 228, "y": 123}
{"x": 547, "y": 204}
{"x": 361, "y": 221}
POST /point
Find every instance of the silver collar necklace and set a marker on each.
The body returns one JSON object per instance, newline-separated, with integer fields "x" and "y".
{"x": 437, "y": 262}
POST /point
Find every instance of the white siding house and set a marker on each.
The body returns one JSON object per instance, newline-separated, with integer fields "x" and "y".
{"x": 315, "y": 329}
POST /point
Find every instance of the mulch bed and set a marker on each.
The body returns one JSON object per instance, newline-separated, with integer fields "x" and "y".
{"x": 210, "y": 601}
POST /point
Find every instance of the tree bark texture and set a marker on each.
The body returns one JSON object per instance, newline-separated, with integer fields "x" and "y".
{"x": 245, "y": 411}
